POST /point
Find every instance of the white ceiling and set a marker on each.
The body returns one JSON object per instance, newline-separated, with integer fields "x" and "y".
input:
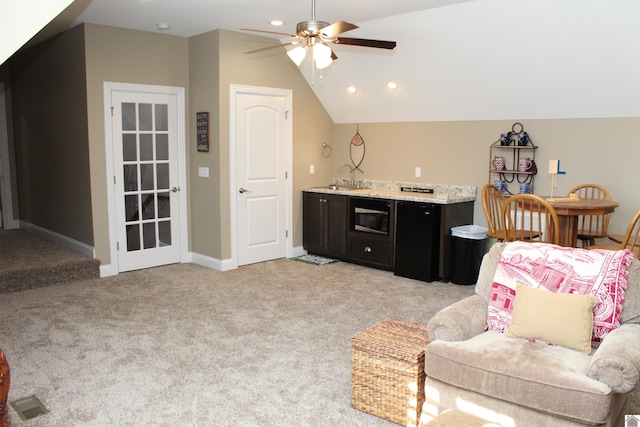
{"x": 455, "y": 59}
{"x": 191, "y": 17}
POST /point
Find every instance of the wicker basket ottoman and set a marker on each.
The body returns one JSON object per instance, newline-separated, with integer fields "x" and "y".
{"x": 387, "y": 374}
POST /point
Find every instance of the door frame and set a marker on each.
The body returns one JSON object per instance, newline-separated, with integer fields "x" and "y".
{"x": 235, "y": 90}
{"x": 8, "y": 221}
{"x": 179, "y": 93}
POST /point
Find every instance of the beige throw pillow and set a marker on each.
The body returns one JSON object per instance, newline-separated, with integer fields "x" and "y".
{"x": 563, "y": 319}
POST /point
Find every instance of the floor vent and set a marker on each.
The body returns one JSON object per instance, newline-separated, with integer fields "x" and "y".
{"x": 29, "y": 407}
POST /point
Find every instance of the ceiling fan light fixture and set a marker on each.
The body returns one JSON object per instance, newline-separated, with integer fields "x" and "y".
{"x": 392, "y": 85}
{"x": 297, "y": 54}
{"x": 322, "y": 55}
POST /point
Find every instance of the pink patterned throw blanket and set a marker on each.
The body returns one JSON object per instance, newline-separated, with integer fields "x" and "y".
{"x": 559, "y": 269}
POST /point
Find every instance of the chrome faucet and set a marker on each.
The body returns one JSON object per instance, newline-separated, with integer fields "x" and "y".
{"x": 352, "y": 170}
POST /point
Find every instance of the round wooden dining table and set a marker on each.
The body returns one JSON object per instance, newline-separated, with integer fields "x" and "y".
{"x": 569, "y": 211}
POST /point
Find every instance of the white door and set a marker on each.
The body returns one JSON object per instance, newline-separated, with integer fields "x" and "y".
{"x": 146, "y": 178}
{"x": 262, "y": 132}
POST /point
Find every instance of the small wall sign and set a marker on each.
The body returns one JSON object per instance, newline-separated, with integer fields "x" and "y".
{"x": 202, "y": 131}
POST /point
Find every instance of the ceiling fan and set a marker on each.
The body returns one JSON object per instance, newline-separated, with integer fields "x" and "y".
{"x": 316, "y": 35}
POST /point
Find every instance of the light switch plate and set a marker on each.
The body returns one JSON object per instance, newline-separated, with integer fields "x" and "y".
{"x": 203, "y": 172}
{"x": 312, "y": 169}
{"x": 418, "y": 171}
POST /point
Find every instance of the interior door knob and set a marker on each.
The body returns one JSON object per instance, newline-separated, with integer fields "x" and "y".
{"x": 242, "y": 190}
{"x": 175, "y": 189}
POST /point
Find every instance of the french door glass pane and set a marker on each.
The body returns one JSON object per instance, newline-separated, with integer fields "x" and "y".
{"x": 146, "y": 117}
{"x": 131, "y": 177}
{"x": 162, "y": 115}
{"x": 131, "y": 207}
{"x": 148, "y": 206}
{"x": 164, "y": 233}
{"x": 128, "y": 116}
{"x": 133, "y": 237}
{"x": 162, "y": 146}
{"x": 129, "y": 148}
{"x": 145, "y": 152}
{"x": 146, "y": 146}
{"x": 149, "y": 233}
{"x": 164, "y": 209}
{"x": 146, "y": 177}
{"x": 162, "y": 171}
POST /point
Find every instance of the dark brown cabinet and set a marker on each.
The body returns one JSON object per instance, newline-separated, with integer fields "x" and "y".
{"x": 325, "y": 224}
{"x": 370, "y": 232}
{"x": 365, "y": 231}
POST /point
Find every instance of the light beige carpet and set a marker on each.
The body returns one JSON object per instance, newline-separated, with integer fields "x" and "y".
{"x": 182, "y": 345}
{"x": 28, "y": 261}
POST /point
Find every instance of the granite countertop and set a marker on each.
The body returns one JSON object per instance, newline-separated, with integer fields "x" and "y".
{"x": 442, "y": 194}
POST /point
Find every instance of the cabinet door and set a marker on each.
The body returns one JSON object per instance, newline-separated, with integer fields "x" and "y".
{"x": 324, "y": 224}
{"x": 313, "y": 208}
{"x": 336, "y": 225}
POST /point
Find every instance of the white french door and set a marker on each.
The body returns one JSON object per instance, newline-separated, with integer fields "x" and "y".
{"x": 147, "y": 178}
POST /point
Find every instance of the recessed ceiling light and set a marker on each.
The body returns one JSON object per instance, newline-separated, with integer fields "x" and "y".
{"x": 276, "y": 22}
{"x": 163, "y": 26}
{"x": 352, "y": 89}
{"x": 392, "y": 85}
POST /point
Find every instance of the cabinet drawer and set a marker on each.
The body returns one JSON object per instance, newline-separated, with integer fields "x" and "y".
{"x": 371, "y": 251}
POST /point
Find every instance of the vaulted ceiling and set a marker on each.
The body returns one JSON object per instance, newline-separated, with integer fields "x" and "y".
{"x": 455, "y": 59}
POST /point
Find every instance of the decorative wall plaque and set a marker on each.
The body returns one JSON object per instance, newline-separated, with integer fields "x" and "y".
{"x": 202, "y": 131}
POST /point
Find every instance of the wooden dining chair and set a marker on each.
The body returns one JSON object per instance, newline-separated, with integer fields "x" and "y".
{"x": 492, "y": 201}
{"x": 591, "y": 227}
{"x": 530, "y": 218}
{"x": 631, "y": 239}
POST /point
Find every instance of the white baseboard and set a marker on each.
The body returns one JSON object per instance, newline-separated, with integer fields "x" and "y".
{"x": 107, "y": 270}
{"x": 228, "y": 264}
{"x": 299, "y": 251}
{"x": 213, "y": 263}
{"x": 52, "y": 236}
{"x": 13, "y": 224}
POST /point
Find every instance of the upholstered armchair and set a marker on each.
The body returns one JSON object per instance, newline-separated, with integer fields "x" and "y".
{"x": 521, "y": 382}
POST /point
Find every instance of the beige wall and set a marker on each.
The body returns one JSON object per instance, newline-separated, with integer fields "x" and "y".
{"x": 49, "y": 111}
{"x": 123, "y": 56}
{"x": 602, "y": 151}
{"x": 211, "y": 78}
{"x": 591, "y": 150}
{"x": 206, "y": 210}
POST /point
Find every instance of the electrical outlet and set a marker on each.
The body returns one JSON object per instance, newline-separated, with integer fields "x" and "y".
{"x": 418, "y": 171}
{"x": 312, "y": 169}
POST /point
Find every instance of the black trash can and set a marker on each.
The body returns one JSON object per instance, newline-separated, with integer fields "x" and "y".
{"x": 468, "y": 247}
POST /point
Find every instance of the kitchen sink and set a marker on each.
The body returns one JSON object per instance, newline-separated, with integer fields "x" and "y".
{"x": 341, "y": 187}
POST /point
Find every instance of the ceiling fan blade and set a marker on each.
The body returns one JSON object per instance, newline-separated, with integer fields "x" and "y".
{"x": 268, "y": 32}
{"x": 273, "y": 47}
{"x": 337, "y": 28}
{"x": 380, "y": 44}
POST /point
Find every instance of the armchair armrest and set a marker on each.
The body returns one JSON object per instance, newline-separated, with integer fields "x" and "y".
{"x": 616, "y": 362}
{"x": 460, "y": 321}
